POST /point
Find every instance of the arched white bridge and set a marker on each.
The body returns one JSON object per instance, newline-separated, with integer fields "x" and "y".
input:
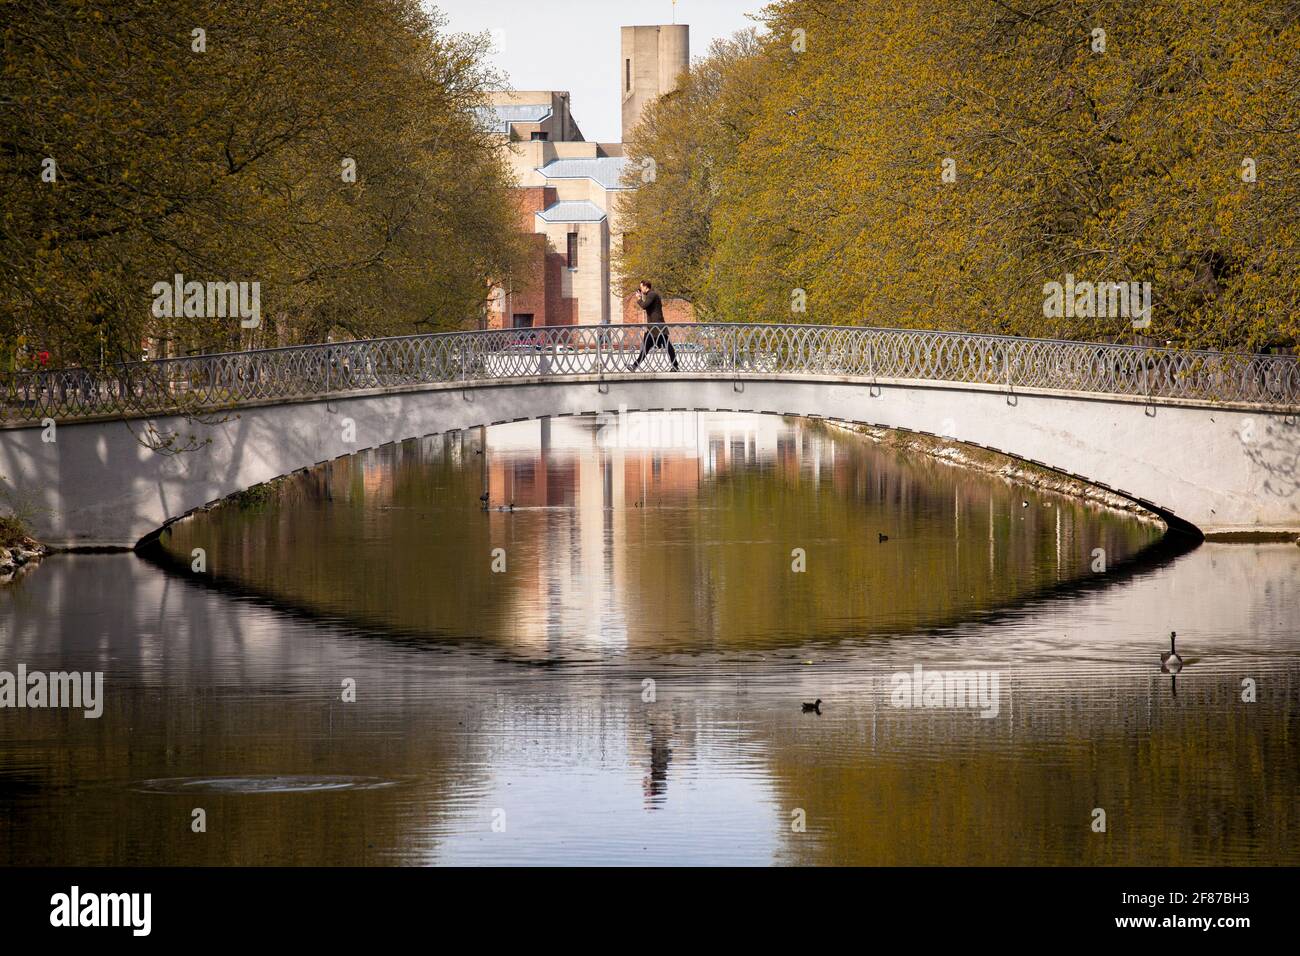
{"x": 105, "y": 457}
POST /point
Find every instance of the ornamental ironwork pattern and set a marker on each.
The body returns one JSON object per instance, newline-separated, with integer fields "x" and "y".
{"x": 201, "y": 383}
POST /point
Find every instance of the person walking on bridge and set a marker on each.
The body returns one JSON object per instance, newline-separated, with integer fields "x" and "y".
{"x": 656, "y": 335}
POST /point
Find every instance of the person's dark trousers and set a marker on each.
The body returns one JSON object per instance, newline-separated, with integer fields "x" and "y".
{"x": 656, "y": 337}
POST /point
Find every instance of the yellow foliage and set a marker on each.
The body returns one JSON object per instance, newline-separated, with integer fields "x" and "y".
{"x": 224, "y": 165}
{"x": 823, "y": 170}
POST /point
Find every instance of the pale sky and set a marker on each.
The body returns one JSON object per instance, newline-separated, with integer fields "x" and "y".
{"x": 574, "y": 44}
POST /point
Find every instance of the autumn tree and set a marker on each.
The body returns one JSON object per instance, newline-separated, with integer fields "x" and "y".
{"x": 937, "y": 164}
{"x": 328, "y": 151}
{"x": 675, "y": 157}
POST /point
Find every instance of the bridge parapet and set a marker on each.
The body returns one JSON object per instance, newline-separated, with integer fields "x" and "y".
{"x": 201, "y": 383}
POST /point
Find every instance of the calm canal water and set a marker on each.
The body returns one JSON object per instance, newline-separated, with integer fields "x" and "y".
{"x": 613, "y": 671}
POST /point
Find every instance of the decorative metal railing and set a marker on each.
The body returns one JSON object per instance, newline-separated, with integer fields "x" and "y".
{"x": 212, "y": 382}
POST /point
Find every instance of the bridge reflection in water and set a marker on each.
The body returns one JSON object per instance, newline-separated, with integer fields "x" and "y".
{"x": 611, "y": 545}
{"x": 524, "y": 692}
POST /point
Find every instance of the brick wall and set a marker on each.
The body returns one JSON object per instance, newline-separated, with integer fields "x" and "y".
{"x": 531, "y": 200}
{"x": 539, "y": 285}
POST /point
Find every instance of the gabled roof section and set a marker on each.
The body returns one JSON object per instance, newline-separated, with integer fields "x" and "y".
{"x": 572, "y": 211}
{"x": 606, "y": 170}
{"x": 499, "y": 119}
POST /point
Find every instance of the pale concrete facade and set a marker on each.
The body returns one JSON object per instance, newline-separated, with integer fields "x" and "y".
{"x": 546, "y": 150}
{"x": 524, "y": 114}
{"x": 584, "y": 176}
{"x": 653, "y": 58}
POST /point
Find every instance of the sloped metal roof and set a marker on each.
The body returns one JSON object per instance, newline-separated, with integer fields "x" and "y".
{"x": 572, "y": 211}
{"x": 500, "y": 118}
{"x": 606, "y": 170}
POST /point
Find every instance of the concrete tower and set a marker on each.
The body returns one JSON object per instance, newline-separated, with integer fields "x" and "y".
{"x": 653, "y": 58}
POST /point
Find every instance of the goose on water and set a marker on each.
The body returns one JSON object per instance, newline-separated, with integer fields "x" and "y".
{"x": 1169, "y": 660}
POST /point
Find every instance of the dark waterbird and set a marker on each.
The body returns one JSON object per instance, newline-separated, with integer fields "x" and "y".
{"x": 881, "y": 537}
{"x": 814, "y": 708}
{"x": 1170, "y": 662}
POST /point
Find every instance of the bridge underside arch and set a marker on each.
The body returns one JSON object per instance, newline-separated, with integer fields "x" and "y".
{"x": 1206, "y": 469}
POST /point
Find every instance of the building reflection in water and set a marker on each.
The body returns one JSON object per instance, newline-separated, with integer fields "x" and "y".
{"x": 660, "y": 549}
{"x": 600, "y": 476}
{"x": 644, "y": 537}
{"x": 650, "y": 532}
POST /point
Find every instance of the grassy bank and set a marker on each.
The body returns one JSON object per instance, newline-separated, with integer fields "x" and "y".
{"x": 13, "y": 533}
